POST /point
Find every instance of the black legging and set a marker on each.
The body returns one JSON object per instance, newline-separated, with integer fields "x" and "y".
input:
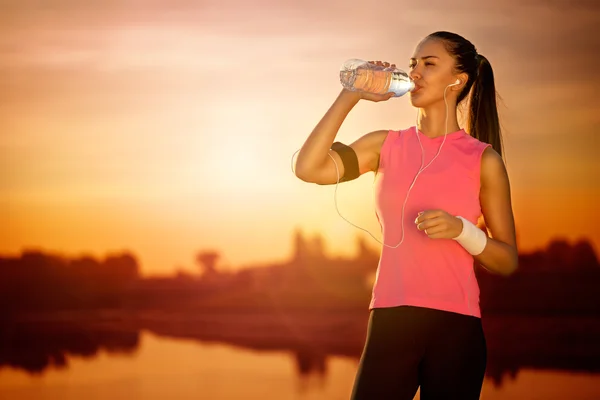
{"x": 406, "y": 347}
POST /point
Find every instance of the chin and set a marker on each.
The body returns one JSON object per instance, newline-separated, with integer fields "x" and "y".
{"x": 418, "y": 102}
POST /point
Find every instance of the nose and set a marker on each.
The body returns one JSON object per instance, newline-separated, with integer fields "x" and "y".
{"x": 415, "y": 74}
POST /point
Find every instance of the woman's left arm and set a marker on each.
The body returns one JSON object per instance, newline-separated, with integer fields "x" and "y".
{"x": 500, "y": 254}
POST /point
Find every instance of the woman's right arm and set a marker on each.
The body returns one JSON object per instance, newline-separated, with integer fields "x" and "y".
{"x": 314, "y": 164}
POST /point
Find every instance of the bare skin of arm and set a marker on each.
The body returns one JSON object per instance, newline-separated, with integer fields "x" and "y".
{"x": 500, "y": 254}
{"x": 314, "y": 164}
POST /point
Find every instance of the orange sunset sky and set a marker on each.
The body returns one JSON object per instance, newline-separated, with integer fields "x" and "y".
{"x": 167, "y": 127}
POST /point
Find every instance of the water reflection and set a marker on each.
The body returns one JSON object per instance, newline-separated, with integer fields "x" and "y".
{"x": 308, "y": 362}
{"x": 37, "y": 344}
{"x": 164, "y": 367}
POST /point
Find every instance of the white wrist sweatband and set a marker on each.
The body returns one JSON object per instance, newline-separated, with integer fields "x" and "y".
{"x": 471, "y": 238}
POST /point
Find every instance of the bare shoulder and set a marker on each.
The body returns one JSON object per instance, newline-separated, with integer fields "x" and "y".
{"x": 373, "y": 140}
{"x": 492, "y": 167}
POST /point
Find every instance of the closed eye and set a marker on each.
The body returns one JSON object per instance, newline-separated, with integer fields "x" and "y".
{"x": 427, "y": 64}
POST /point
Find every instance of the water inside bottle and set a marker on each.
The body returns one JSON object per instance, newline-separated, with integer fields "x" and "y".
{"x": 372, "y": 81}
{"x": 358, "y": 75}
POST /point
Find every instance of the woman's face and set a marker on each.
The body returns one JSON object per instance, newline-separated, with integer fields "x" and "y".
{"x": 432, "y": 69}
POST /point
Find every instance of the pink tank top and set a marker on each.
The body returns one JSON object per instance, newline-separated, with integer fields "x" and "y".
{"x": 431, "y": 273}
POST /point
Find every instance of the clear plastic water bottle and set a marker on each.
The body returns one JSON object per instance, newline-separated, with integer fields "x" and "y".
{"x": 359, "y": 75}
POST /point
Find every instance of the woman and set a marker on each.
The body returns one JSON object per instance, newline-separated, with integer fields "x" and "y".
{"x": 424, "y": 326}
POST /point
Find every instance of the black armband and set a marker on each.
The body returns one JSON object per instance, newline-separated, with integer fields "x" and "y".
{"x": 349, "y": 159}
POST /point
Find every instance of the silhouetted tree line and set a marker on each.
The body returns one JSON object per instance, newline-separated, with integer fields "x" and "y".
{"x": 309, "y": 279}
{"x": 563, "y": 278}
{"x": 39, "y": 281}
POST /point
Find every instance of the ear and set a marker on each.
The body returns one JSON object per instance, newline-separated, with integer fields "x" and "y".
{"x": 461, "y": 79}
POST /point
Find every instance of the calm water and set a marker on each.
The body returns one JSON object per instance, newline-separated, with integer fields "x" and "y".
{"x": 161, "y": 368}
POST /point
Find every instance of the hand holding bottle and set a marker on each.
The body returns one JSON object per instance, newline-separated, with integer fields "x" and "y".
{"x": 374, "y": 80}
{"x": 376, "y": 97}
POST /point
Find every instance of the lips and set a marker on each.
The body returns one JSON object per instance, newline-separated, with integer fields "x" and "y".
{"x": 416, "y": 89}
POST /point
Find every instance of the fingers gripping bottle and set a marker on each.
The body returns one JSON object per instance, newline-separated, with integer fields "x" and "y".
{"x": 359, "y": 75}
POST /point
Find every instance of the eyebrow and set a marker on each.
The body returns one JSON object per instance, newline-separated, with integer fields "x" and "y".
{"x": 424, "y": 58}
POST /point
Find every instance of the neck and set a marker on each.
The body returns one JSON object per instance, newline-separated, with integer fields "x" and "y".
{"x": 431, "y": 121}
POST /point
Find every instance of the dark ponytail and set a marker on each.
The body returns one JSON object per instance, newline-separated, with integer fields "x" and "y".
{"x": 482, "y": 121}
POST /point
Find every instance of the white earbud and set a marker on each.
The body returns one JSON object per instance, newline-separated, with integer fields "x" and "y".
{"x": 455, "y": 83}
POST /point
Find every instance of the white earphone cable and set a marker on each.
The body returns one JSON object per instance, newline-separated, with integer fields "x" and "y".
{"x": 421, "y": 169}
